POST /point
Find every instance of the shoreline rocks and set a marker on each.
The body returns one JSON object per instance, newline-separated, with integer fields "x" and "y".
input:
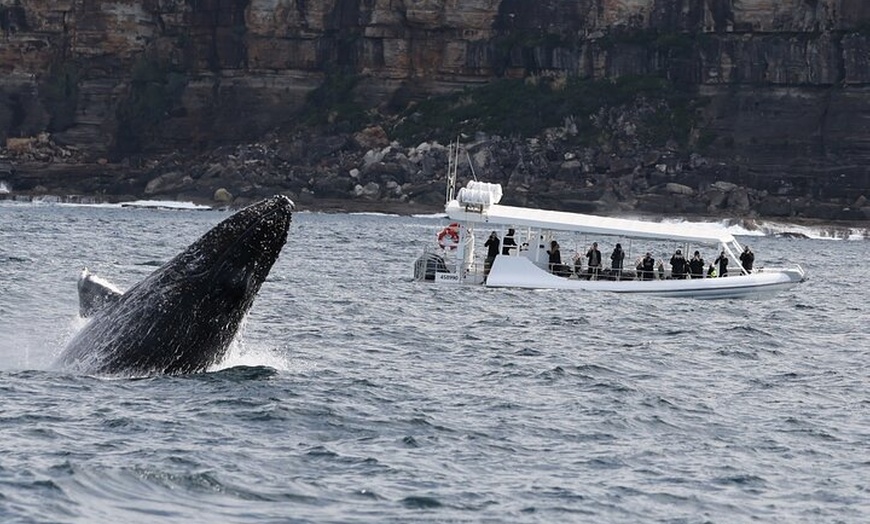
{"x": 364, "y": 171}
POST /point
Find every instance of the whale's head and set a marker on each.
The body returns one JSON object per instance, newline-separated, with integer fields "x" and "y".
{"x": 230, "y": 262}
{"x": 183, "y": 317}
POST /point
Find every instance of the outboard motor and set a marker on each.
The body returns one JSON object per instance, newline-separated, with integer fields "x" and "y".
{"x": 427, "y": 265}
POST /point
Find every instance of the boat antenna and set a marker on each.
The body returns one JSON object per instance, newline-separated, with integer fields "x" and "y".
{"x": 452, "y": 160}
{"x": 470, "y": 165}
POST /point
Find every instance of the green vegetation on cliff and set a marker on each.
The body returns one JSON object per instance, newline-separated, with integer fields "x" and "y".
{"x": 525, "y": 108}
{"x": 333, "y": 104}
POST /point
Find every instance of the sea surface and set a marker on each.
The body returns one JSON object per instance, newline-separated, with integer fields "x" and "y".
{"x": 354, "y": 394}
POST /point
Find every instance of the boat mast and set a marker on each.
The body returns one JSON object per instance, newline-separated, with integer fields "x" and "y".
{"x": 452, "y": 169}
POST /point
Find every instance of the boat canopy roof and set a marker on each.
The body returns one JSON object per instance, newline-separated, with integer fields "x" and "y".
{"x": 564, "y": 221}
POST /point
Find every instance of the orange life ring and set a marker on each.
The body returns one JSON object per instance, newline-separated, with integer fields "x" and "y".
{"x": 449, "y": 236}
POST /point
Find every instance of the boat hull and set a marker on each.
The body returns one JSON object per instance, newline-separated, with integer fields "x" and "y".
{"x": 520, "y": 272}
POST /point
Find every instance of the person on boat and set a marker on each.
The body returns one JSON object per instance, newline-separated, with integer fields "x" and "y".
{"x": 555, "y": 259}
{"x": 696, "y": 265}
{"x": 578, "y": 267}
{"x": 492, "y": 246}
{"x": 711, "y": 271}
{"x": 678, "y": 265}
{"x": 647, "y": 267}
{"x": 722, "y": 264}
{"x": 747, "y": 258}
{"x": 616, "y": 259}
{"x": 508, "y": 242}
{"x": 593, "y": 258}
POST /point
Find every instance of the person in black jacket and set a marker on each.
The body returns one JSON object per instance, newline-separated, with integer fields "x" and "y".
{"x": 722, "y": 263}
{"x": 696, "y": 265}
{"x": 508, "y": 242}
{"x": 647, "y": 267}
{"x": 492, "y": 245}
{"x": 747, "y": 258}
{"x": 678, "y": 265}
{"x": 616, "y": 259}
{"x": 555, "y": 260}
{"x": 593, "y": 258}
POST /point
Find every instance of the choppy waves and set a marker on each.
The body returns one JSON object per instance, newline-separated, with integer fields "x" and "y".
{"x": 356, "y": 395}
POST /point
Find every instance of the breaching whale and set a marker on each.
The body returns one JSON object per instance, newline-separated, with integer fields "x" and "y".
{"x": 183, "y": 316}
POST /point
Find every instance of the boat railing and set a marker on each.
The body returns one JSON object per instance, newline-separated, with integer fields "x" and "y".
{"x": 660, "y": 273}
{"x": 446, "y": 260}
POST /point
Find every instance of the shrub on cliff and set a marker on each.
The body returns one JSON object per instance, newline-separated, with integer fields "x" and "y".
{"x": 525, "y": 108}
{"x": 333, "y": 104}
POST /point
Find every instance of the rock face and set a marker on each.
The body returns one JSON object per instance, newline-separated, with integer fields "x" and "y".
{"x": 785, "y": 83}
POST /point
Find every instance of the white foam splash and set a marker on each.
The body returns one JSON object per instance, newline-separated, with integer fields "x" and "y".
{"x": 241, "y": 353}
{"x": 244, "y": 354}
{"x": 99, "y": 281}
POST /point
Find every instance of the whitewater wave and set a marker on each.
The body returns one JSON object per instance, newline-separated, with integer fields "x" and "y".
{"x": 164, "y": 204}
{"x": 92, "y": 203}
{"x": 818, "y": 232}
{"x": 755, "y": 228}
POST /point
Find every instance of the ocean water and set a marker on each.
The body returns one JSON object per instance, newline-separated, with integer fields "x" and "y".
{"x": 356, "y": 395}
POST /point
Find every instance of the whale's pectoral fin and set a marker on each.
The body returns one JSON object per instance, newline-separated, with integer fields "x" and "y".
{"x": 95, "y": 293}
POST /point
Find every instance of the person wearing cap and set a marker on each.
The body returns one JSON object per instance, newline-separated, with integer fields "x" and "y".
{"x": 678, "y": 265}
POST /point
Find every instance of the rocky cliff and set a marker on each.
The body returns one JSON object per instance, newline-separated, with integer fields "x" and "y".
{"x": 781, "y": 87}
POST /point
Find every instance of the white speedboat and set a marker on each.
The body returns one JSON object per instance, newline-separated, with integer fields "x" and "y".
{"x": 475, "y": 212}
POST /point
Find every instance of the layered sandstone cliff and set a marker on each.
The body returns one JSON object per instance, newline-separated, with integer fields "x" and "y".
{"x": 786, "y": 83}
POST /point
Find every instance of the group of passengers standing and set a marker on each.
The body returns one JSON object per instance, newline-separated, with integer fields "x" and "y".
{"x": 647, "y": 267}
